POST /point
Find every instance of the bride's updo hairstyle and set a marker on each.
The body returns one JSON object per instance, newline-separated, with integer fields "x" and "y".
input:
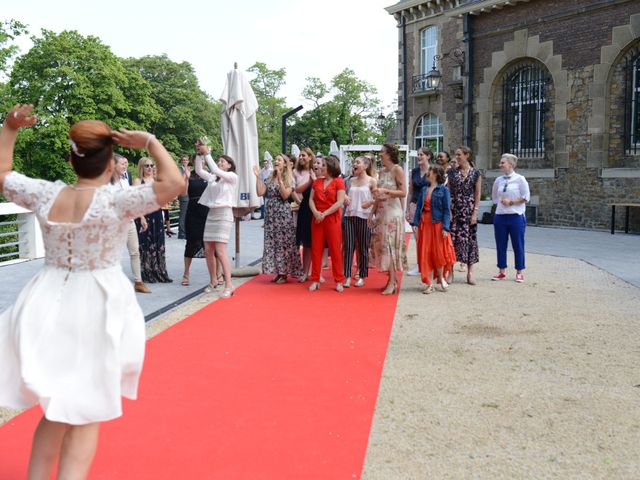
{"x": 91, "y": 147}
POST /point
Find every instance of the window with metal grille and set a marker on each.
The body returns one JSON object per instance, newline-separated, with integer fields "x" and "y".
{"x": 429, "y": 133}
{"x": 523, "y": 112}
{"x": 632, "y": 106}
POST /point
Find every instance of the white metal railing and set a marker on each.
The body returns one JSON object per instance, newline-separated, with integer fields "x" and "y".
{"x": 20, "y": 239}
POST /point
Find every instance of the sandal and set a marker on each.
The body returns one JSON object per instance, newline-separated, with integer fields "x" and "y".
{"x": 227, "y": 293}
{"x": 428, "y": 290}
{"x": 185, "y": 280}
{"x": 281, "y": 280}
{"x": 209, "y": 288}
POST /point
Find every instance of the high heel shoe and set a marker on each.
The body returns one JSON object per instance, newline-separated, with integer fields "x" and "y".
{"x": 429, "y": 290}
{"x": 444, "y": 286}
{"x": 302, "y": 279}
{"x": 347, "y": 283}
{"x": 209, "y": 288}
{"x": 314, "y": 286}
{"x": 339, "y": 288}
{"x": 393, "y": 290}
{"x": 185, "y": 280}
{"x": 227, "y": 293}
{"x": 281, "y": 280}
{"x": 359, "y": 282}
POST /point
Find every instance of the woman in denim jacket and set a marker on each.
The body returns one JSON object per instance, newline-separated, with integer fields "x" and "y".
{"x": 433, "y": 220}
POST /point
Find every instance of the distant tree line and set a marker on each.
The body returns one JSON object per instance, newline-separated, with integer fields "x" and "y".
{"x": 69, "y": 77}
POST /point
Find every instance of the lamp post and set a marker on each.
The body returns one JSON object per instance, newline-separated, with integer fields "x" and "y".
{"x": 434, "y": 76}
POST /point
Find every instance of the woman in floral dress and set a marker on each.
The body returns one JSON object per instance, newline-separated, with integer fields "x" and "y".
{"x": 390, "y": 250}
{"x": 280, "y": 256}
{"x": 151, "y": 239}
{"x": 465, "y": 183}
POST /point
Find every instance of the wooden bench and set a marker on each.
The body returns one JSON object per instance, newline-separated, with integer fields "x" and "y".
{"x": 627, "y": 207}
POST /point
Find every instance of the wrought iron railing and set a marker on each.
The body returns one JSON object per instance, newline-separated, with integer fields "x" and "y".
{"x": 420, "y": 84}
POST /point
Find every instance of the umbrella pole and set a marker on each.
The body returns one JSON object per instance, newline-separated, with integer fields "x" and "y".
{"x": 237, "y": 242}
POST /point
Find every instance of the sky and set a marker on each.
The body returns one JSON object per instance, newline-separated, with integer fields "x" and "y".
{"x": 308, "y": 38}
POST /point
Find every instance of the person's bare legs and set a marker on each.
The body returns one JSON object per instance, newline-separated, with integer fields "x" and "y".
{"x": 209, "y": 254}
{"x": 470, "y": 279}
{"x": 45, "y": 449}
{"x": 306, "y": 263}
{"x": 223, "y": 258}
{"x": 78, "y": 449}
{"x": 187, "y": 268}
{"x": 392, "y": 285}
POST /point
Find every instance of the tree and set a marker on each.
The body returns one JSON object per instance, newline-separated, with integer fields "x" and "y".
{"x": 266, "y": 85}
{"x": 188, "y": 112}
{"x": 9, "y": 31}
{"x": 69, "y": 78}
{"x": 348, "y": 118}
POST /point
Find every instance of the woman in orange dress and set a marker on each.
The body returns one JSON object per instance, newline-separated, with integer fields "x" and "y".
{"x": 433, "y": 218}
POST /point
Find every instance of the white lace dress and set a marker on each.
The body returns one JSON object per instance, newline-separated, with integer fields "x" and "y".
{"x": 74, "y": 339}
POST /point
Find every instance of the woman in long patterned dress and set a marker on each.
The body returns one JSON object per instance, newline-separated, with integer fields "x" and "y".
{"x": 151, "y": 240}
{"x": 280, "y": 255}
{"x": 74, "y": 339}
{"x": 465, "y": 184}
{"x": 388, "y": 240}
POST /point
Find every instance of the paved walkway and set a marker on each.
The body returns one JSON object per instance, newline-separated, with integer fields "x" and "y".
{"x": 617, "y": 254}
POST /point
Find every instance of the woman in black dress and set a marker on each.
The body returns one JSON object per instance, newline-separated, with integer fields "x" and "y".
{"x": 304, "y": 178}
{"x": 195, "y": 220}
{"x": 153, "y": 263}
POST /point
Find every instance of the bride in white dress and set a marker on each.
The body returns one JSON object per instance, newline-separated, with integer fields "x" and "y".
{"x": 74, "y": 339}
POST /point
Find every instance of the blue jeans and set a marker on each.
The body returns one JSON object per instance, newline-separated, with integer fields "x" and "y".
{"x": 505, "y": 226}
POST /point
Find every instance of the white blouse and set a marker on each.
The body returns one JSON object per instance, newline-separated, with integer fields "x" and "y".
{"x": 222, "y": 193}
{"x": 512, "y": 187}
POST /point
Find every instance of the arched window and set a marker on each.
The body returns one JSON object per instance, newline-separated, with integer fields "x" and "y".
{"x": 524, "y": 93}
{"x": 428, "y": 48}
{"x": 632, "y": 107}
{"x": 429, "y": 133}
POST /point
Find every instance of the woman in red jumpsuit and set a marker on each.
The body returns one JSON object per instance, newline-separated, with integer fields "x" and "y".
{"x": 327, "y": 197}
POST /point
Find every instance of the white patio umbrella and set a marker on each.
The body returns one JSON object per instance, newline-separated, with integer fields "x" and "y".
{"x": 268, "y": 157}
{"x": 240, "y": 141}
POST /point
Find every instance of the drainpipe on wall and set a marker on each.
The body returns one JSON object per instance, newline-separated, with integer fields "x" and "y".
{"x": 468, "y": 91}
{"x": 405, "y": 89}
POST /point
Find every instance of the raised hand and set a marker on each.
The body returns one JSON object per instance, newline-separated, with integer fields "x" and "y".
{"x": 131, "y": 138}
{"x": 256, "y": 171}
{"x": 20, "y": 116}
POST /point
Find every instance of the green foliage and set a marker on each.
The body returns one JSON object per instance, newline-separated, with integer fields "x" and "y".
{"x": 9, "y": 30}
{"x": 266, "y": 85}
{"x": 187, "y": 111}
{"x": 348, "y": 118}
{"x": 68, "y": 77}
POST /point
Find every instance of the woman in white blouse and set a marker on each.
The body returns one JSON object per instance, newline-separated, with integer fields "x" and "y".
{"x": 510, "y": 194}
{"x": 220, "y": 196}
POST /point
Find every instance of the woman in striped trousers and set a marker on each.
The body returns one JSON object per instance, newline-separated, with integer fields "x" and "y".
{"x": 357, "y": 228}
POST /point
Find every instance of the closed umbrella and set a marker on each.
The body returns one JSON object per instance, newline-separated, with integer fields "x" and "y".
{"x": 240, "y": 141}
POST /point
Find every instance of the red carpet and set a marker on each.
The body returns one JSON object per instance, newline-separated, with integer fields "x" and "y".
{"x": 275, "y": 383}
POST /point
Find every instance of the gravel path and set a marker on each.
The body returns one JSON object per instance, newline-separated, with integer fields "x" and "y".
{"x": 502, "y": 380}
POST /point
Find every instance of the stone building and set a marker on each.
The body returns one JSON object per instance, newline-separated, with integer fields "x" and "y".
{"x": 556, "y": 82}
